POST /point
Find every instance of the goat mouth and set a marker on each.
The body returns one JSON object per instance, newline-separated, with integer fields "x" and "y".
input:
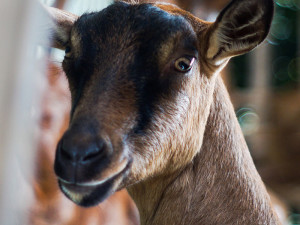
{"x": 89, "y": 194}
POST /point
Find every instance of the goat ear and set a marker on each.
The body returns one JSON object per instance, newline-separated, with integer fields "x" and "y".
{"x": 239, "y": 28}
{"x": 60, "y": 27}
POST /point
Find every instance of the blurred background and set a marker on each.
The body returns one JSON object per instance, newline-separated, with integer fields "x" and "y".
{"x": 35, "y": 101}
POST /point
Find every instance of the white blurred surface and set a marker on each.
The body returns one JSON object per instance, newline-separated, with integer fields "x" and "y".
{"x": 19, "y": 21}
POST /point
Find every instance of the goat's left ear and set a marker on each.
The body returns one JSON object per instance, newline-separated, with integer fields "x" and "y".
{"x": 239, "y": 28}
{"x": 59, "y": 24}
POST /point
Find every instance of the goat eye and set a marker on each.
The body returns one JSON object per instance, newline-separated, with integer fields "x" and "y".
{"x": 68, "y": 49}
{"x": 184, "y": 64}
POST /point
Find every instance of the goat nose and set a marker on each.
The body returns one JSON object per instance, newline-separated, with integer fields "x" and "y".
{"x": 81, "y": 152}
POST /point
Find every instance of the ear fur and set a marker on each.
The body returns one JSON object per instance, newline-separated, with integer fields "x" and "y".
{"x": 61, "y": 27}
{"x": 239, "y": 28}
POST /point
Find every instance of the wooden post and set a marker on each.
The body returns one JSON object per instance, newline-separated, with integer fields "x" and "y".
{"x": 19, "y": 21}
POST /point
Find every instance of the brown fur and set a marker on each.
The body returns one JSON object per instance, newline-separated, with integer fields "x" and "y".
{"x": 219, "y": 186}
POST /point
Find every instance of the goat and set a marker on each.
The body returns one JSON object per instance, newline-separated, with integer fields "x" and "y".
{"x": 150, "y": 113}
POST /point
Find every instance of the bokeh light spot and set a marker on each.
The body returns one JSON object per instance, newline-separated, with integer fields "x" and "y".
{"x": 281, "y": 27}
{"x": 285, "y": 3}
{"x": 272, "y": 41}
{"x": 248, "y": 120}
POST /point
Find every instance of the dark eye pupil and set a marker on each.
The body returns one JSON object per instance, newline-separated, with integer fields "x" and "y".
{"x": 68, "y": 49}
{"x": 183, "y": 66}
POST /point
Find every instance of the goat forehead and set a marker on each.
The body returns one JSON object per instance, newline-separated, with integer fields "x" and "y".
{"x": 123, "y": 46}
{"x": 122, "y": 25}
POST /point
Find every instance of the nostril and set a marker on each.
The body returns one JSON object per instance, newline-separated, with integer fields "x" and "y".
{"x": 66, "y": 155}
{"x": 91, "y": 156}
{"x": 95, "y": 152}
{"x": 87, "y": 151}
{"x": 64, "y": 152}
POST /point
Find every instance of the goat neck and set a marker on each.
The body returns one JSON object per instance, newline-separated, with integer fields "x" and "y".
{"x": 220, "y": 185}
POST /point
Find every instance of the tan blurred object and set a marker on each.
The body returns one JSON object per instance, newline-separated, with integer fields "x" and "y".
{"x": 51, "y": 206}
{"x": 60, "y": 4}
{"x": 280, "y": 207}
{"x": 211, "y": 5}
{"x": 203, "y": 8}
{"x": 280, "y": 168}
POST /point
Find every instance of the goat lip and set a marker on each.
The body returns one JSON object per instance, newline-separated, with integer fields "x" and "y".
{"x": 91, "y": 193}
{"x": 80, "y": 194}
{"x": 74, "y": 188}
{"x": 94, "y": 183}
{"x": 84, "y": 184}
{"x": 84, "y": 188}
